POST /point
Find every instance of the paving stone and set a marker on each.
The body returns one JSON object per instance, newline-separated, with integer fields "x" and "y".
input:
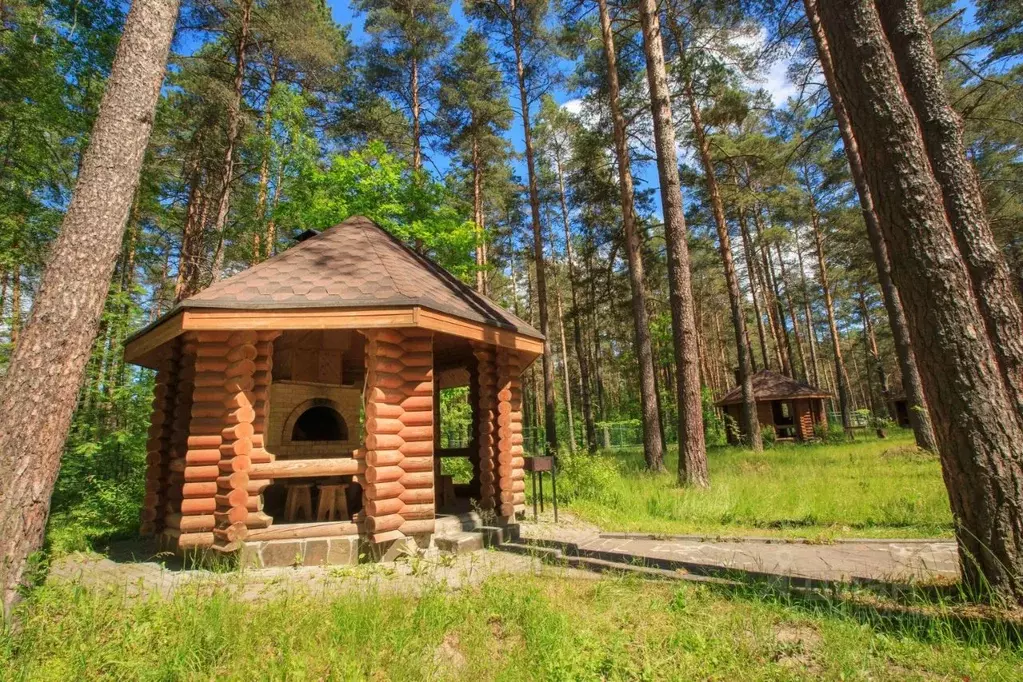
{"x": 249, "y": 555}
{"x": 460, "y": 543}
{"x": 282, "y": 553}
{"x": 389, "y": 551}
{"x": 492, "y": 535}
{"x": 343, "y": 551}
{"x": 316, "y": 552}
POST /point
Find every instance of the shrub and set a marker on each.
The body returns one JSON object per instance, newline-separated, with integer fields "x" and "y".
{"x": 768, "y": 435}
{"x": 587, "y": 477}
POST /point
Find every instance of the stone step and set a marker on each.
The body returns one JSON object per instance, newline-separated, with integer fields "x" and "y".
{"x": 460, "y": 543}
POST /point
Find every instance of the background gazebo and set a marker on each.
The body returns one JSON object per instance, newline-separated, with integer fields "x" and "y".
{"x": 314, "y": 372}
{"x": 790, "y": 406}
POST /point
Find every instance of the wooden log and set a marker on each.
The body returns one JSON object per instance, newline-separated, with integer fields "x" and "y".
{"x": 382, "y": 425}
{"x": 421, "y": 479}
{"x": 389, "y": 536}
{"x": 292, "y": 531}
{"x": 239, "y": 479}
{"x": 382, "y": 458}
{"x": 201, "y": 473}
{"x": 201, "y": 522}
{"x": 311, "y": 468}
{"x": 381, "y": 524}
{"x": 230, "y": 515}
{"x": 417, "y": 527}
{"x": 383, "y": 411}
{"x": 383, "y": 491}
{"x": 377, "y": 441}
{"x": 233, "y": 464}
{"x": 205, "y": 456}
{"x": 194, "y": 490}
{"x": 417, "y": 496}
{"x": 245, "y": 351}
{"x": 204, "y": 442}
{"x": 384, "y": 474}
{"x": 188, "y": 541}
{"x": 417, "y": 464}
{"x": 384, "y": 507}
{"x": 417, "y": 511}
{"x": 236, "y": 448}
{"x": 417, "y": 403}
{"x": 240, "y": 431}
{"x": 420, "y": 448}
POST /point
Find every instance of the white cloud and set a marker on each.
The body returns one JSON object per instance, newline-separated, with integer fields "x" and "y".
{"x": 573, "y": 106}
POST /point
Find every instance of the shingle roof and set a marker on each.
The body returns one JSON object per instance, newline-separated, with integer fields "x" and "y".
{"x": 355, "y": 264}
{"x": 768, "y": 385}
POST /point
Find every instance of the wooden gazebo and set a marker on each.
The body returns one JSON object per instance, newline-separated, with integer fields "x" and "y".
{"x": 790, "y": 406}
{"x": 315, "y": 373}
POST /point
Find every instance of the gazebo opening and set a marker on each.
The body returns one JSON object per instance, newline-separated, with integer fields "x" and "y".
{"x": 320, "y": 423}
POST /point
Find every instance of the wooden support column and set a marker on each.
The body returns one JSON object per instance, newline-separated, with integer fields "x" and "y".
{"x": 511, "y": 473}
{"x": 262, "y": 378}
{"x": 192, "y": 466}
{"x": 474, "y": 429}
{"x": 233, "y": 372}
{"x": 486, "y": 418}
{"x": 158, "y": 447}
{"x": 399, "y": 493}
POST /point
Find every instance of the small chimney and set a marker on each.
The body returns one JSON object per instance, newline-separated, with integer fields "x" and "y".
{"x": 308, "y": 234}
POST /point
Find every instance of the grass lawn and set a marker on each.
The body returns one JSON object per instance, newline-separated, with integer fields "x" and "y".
{"x": 869, "y": 488}
{"x": 542, "y": 627}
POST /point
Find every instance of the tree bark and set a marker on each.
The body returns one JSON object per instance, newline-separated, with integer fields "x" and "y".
{"x": 841, "y": 376}
{"x": 550, "y": 410}
{"x": 815, "y": 370}
{"x": 653, "y": 446}
{"x": 879, "y": 407}
{"x": 975, "y": 420}
{"x": 580, "y": 353}
{"x": 771, "y": 297}
{"x": 477, "y": 215}
{"x": 754, "y": 294}
{"x": 692, "y": 452}
{"x": 38, "y": 394}
{"x": 941, "y": 127}
{"x": 234, "y": 118}
{"x": 751, "y": 424}
{"x": 919, "y": 418}
{"x": 792, "y": 312}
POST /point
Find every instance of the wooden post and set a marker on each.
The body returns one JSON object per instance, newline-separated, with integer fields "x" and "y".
{"x": 158, "y": 447}
{"x": 511, "y": 482}
{"x": 398, "y": 484}
{"x": 231, "y": 369}
{"x": 486, "y": 418}
{"x": 262, "y": 378}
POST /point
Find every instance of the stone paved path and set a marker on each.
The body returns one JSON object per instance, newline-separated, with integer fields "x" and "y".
{"x": 897, "y": 561}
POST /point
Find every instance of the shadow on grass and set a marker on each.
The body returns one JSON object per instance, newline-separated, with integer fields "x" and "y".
{"x": 930, "y": 613}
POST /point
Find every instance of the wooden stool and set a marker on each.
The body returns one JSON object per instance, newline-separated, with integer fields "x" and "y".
{"x": 299, "y": 499}
{"x": 333, "y": 502}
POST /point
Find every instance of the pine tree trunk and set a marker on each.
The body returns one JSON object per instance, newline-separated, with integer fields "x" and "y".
{"x": 580, "y": 353}
{"x": 15, "y": 305}
{"x": 751, "y": 423}
{"x": 841, "y": 376}
{"x": 692, "y": 452}
{"x": 477, "y": 214}
{"x": 550, "y": 410}
{"x": 653, "y": 446}
{"x": 234, "y": 119}
{"x": 754, "y": 294}
{"x": 815, "y": 369}
{"x": 919, "y": 418}
{"x": 942, "y": 130}
{"x": 975, "y": 420}
{"x": 39, "y": 391}
{"x": 792, "y": 312}
{"x": 189, "y": 254}
{"x": 271, "y": 223}
{"x": 773, "y": 305}
{"x": 417, "y": 145}
{"x": 880, "y": 407}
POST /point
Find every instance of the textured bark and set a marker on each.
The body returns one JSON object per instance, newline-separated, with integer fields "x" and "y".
{"x": 565, "y": 368}
{"x": 919, "y": 418}
{"x": 974, "y": 416}
{"x": 751, "y": 423}
{"x": 773, "y": 306}
{"x": 653, "y": 446}
{"x": 942, "y": 130}
{"x": 841, "y": 376}
{"x": 234, "y": 119}
{"x": 751, "y": 267}
{"x": 37, "y": 396}
{"x": 577, "y": 334}
{"x": 417, "y": 144}
{"x": 549, "y": 407}
{"x": 814, "y": 374}
{"x": 792, "y": 312}
{"x": 190, "y": 253}
{"x": 16, "y": 305}
{"x": 477, "y": 216}
{"x": 692, "y": 452}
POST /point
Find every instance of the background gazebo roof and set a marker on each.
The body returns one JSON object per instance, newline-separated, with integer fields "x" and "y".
{"x": 768, "y": 385}
{"x": 355, "y": 264}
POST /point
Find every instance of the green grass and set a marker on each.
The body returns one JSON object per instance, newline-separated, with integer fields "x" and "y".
{"x": 540, "y": 627}
{"x": 869, "y": 488}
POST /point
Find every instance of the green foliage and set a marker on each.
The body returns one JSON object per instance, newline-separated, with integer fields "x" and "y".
{"x": 713, "y": 423}
{"x": 816, "y": 491}
{"x": 768, "y": 434}
{"x": 375, "y": 183}
{"x": 522, "y": 626}
{"x": 583, "y": 476}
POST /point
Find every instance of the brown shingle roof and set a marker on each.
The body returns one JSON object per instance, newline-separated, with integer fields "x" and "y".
{"x": 355, "y": 264}
{"x": 768, "y": 385}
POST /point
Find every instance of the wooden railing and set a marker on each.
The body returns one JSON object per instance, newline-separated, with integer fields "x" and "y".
{"x": 310, "y": 468}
